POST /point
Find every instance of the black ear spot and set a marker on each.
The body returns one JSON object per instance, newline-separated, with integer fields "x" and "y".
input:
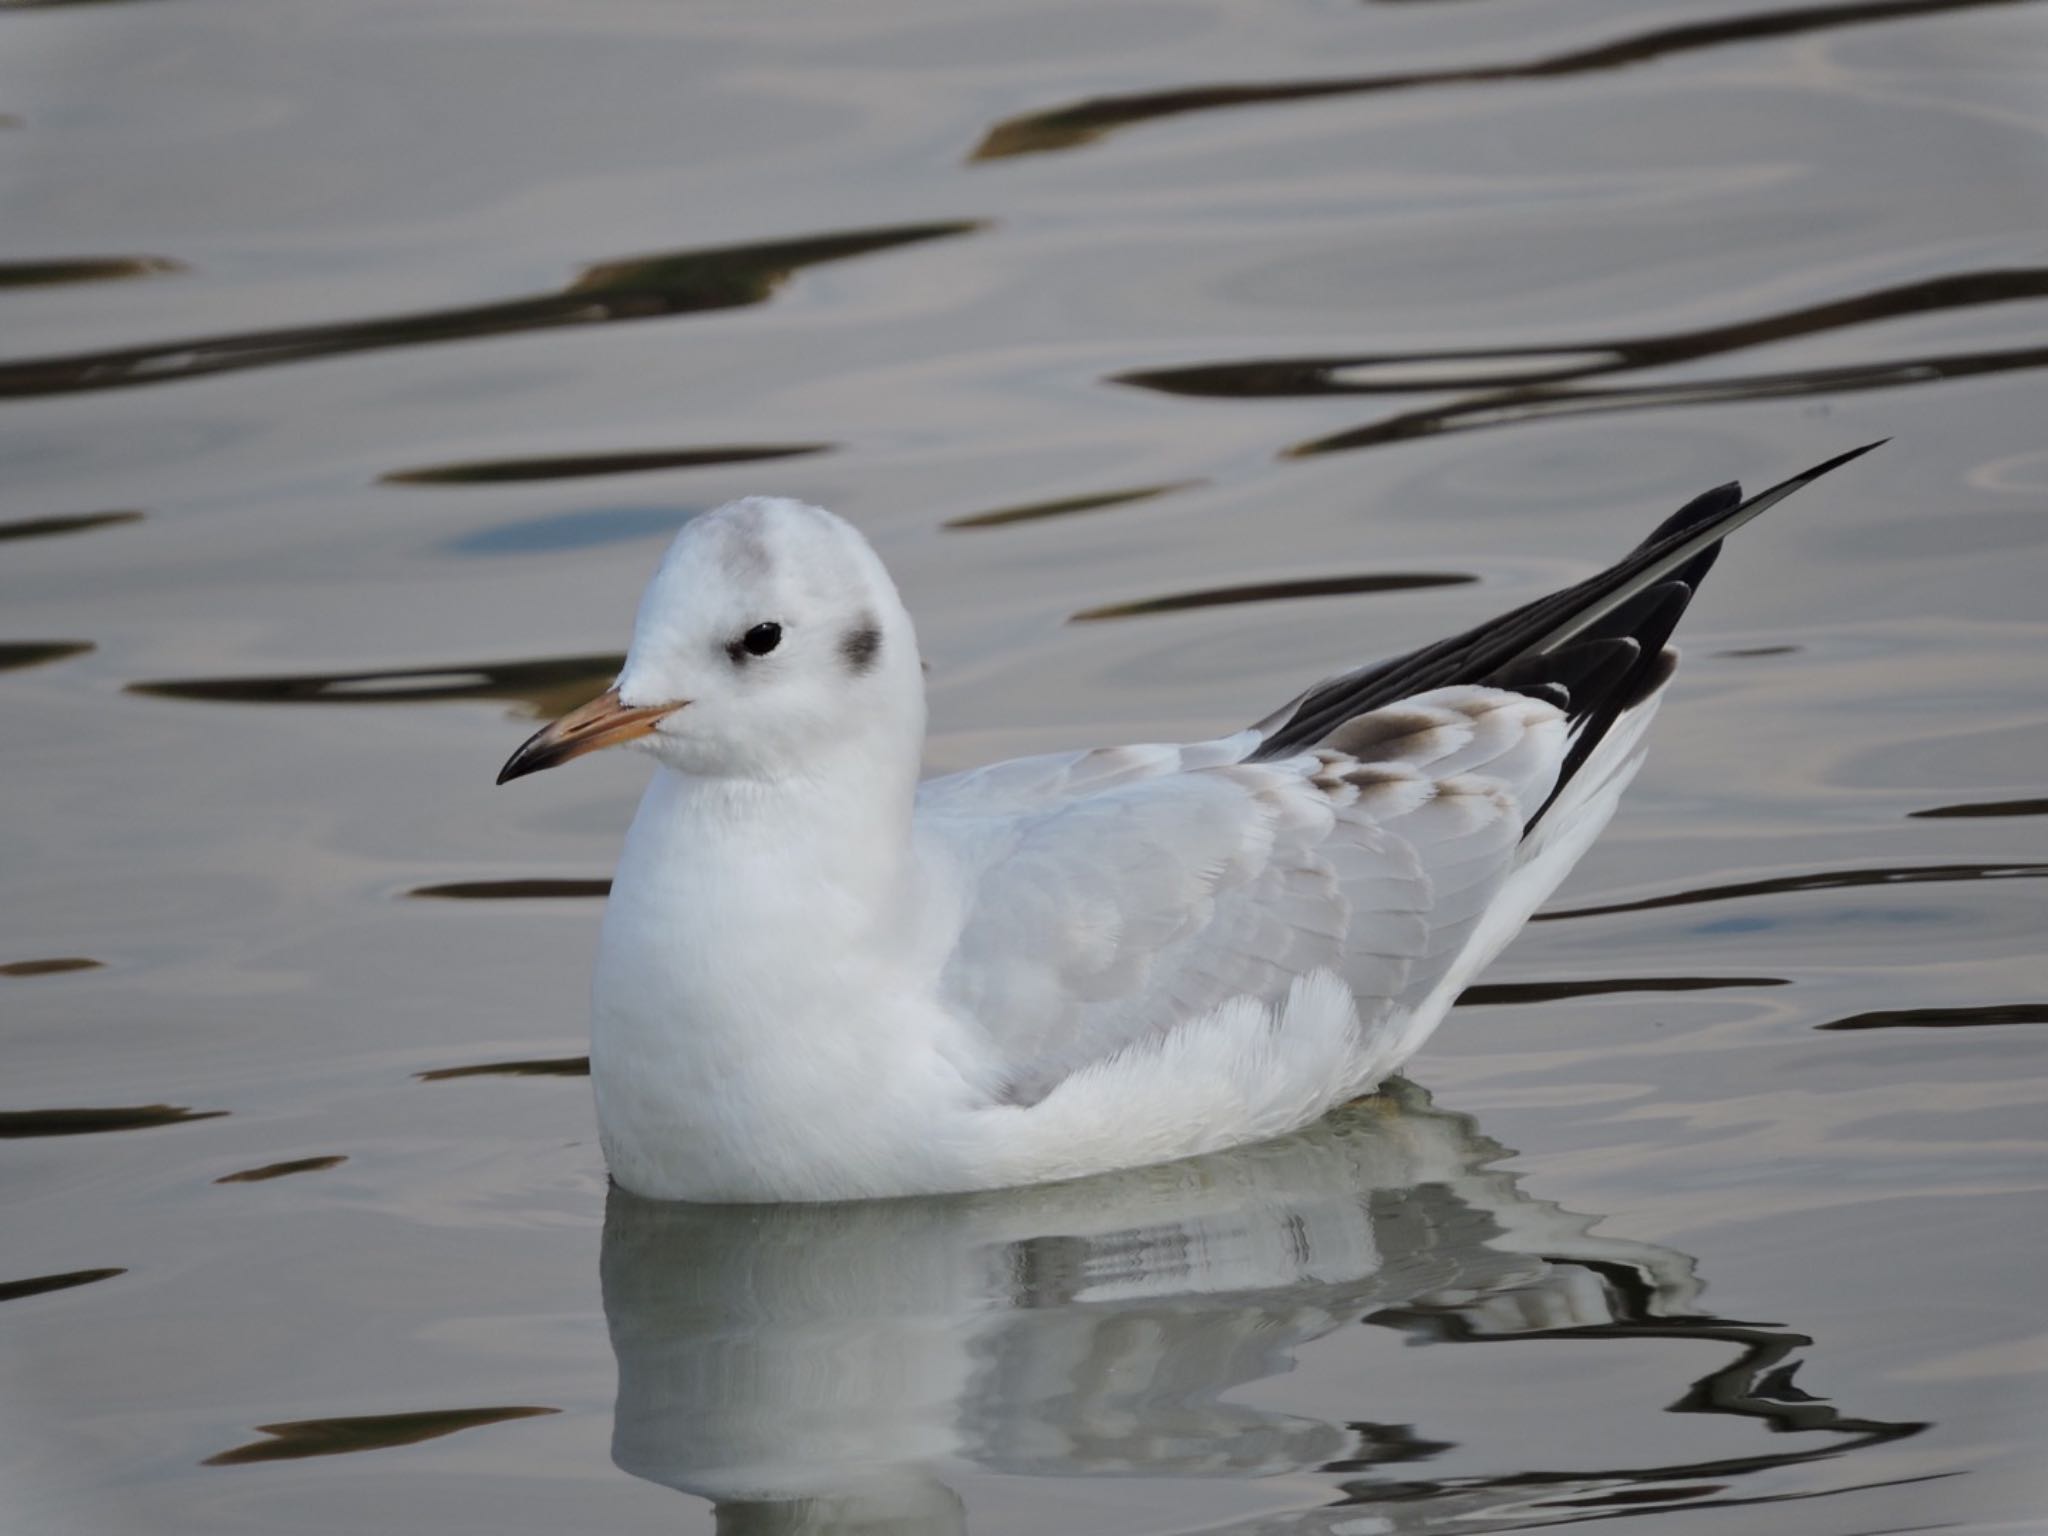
{"x": 860, "y": 646}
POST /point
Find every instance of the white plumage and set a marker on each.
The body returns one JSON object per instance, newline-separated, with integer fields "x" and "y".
{"x": 820, "y": 979}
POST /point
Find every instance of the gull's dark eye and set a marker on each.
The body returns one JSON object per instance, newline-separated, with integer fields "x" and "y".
{"x": 761, "y": 639}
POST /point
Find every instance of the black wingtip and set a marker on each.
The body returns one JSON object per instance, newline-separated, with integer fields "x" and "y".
{"x": 1725, "y": 504}
{"x": 1763, "y": 500}
{"x": 1839, "y": 460}
{"x": 1518, "y": 645}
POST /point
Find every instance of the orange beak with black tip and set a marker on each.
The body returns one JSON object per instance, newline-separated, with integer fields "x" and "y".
{"x": 603, "y": 722}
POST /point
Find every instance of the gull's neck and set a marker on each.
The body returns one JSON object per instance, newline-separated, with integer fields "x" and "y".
{"x": 742, "y": 871}
{"x": 843, "y": 816}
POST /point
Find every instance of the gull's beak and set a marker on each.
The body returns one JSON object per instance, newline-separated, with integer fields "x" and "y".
{"x": 603, "y": 722}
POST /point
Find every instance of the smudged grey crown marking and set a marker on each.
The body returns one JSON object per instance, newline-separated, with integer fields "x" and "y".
{"x": 860, "y": 645}
{"x": 1085, "y": 122}
{"x": 368, "y": 1432}
{"x": 576, "y": 466}
{"x": 1275, "y": 591}
{"x": 636, "y": 288}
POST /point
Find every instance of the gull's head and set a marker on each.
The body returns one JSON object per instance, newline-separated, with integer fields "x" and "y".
{"x": 770, "y": 638}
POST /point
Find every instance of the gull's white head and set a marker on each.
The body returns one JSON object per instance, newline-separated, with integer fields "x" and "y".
{"x": 770, "y": 639}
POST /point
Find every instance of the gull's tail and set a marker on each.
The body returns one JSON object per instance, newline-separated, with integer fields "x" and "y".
{"x": 1594, "y": 649}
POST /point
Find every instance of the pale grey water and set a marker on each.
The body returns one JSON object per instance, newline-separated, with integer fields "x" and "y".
{"x": 355, "y": 362}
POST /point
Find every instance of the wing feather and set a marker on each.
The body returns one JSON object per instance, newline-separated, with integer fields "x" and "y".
{"x": 1118, "y": 894}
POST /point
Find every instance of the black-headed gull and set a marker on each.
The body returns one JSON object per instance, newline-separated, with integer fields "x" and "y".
{"x": 822, "y": 979}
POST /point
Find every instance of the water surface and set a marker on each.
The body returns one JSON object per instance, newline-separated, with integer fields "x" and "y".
{"x": 355, "y": 363}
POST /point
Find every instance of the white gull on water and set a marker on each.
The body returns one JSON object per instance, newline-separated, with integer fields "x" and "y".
{"x": 821, "y": 979}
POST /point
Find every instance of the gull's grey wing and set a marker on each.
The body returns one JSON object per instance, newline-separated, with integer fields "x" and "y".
{"x": 1142, "y": 888}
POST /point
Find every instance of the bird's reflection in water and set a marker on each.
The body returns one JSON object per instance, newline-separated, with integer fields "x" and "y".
{"x": 816, "y": 1368}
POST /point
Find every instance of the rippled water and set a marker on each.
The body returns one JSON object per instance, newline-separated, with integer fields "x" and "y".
{"x": 355, "y": 362}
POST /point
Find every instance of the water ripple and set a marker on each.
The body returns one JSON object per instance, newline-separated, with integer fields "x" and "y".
{"x": 83, "y": 269}
{"x": 1522, "y": 384}
{"x": 550, "y": 685}
{"x": 1944, "y": 1018}
{"x": 1977, "y": 808}
{"x": 528, "y": 889}
{"x": 271, "y": 1171}
{"x": 575, "y": 466}
{"x": 53, "y": 527}
{"x": 56, "y": 965}
{"x": 1510, "y": 993}
{"x": 554, "y": 1066}
{"x": 369, "y": 1432}
{"x": 1825, "y": 880}
{"x": 1274, "y": 591}
{"x": 1031, "y": 512}
{"x": 1293, "y": 378}
{"x": 15, "y": 1290}
{"x": 1756, "y": 1384}
{"x": 1085, "y": 122}
{"x": 15, "y": 1123}
{"x": 636, "y": 288}
{"x": 17, "y": 654}
{"x": 1515, "y": 408}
